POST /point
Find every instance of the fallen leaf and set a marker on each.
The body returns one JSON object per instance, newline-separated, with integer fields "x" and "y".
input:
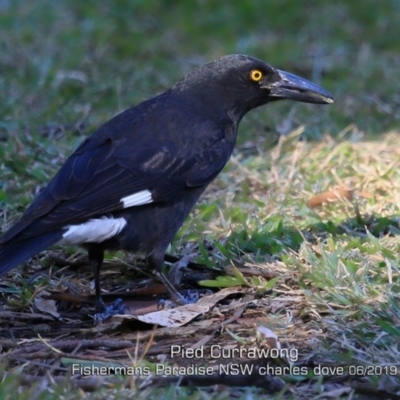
{"x": 330, "y": 197}
{"x": 47, "y": 306}
{"x": 271, "y": 337}
{"x": 179, "y": 316}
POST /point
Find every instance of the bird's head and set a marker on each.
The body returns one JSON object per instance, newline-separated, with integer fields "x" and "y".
{"x": 241, "y": 83}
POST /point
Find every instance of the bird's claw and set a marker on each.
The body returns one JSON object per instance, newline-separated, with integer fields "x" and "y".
{"x": 189, "y": 298}
{"x": 118, "y": 307}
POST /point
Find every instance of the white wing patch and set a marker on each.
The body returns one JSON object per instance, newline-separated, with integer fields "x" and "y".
{"x": 93, "y": 231}
{"x": 137, "y": 199}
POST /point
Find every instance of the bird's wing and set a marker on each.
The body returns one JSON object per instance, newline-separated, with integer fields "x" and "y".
{"x": 103, "y": 177}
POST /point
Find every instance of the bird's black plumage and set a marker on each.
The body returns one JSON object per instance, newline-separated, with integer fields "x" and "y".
{"x": 133, "y": 182}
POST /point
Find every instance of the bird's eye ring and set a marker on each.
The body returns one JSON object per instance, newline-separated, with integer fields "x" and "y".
{"x": 256, "y": 75}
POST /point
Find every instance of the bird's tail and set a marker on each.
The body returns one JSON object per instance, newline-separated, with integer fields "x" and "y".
{"x": 14, "y": 253}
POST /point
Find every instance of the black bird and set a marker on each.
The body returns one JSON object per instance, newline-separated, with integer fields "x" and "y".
{"x": 133, "y": 182}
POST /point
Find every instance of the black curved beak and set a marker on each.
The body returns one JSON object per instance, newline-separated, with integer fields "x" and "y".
{"x": 292, "y": 87}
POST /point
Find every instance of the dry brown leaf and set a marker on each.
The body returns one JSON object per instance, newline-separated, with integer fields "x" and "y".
{"x": 270, "y": 337}
{"x": 47, "y": 306}
{"x": 330, "y": 196}
{"x": 179, "y": 316}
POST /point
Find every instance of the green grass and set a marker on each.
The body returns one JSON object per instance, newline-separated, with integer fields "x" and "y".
{"x": 67, "y": 67}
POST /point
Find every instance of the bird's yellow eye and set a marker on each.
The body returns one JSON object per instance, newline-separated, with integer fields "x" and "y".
{"x": 256, "y": 75}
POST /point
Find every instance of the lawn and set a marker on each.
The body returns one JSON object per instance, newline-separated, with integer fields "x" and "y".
{"x": 301, "y": 226}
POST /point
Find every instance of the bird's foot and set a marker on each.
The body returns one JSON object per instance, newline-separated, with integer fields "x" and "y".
{"x": 175, "y": 295}
{"x": 118, "y": 307}
{"x": 190, "y": 297}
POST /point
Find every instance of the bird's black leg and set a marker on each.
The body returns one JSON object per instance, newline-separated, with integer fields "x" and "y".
{"x": 96, "y": 257}
{"x": 156, "y": 264}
